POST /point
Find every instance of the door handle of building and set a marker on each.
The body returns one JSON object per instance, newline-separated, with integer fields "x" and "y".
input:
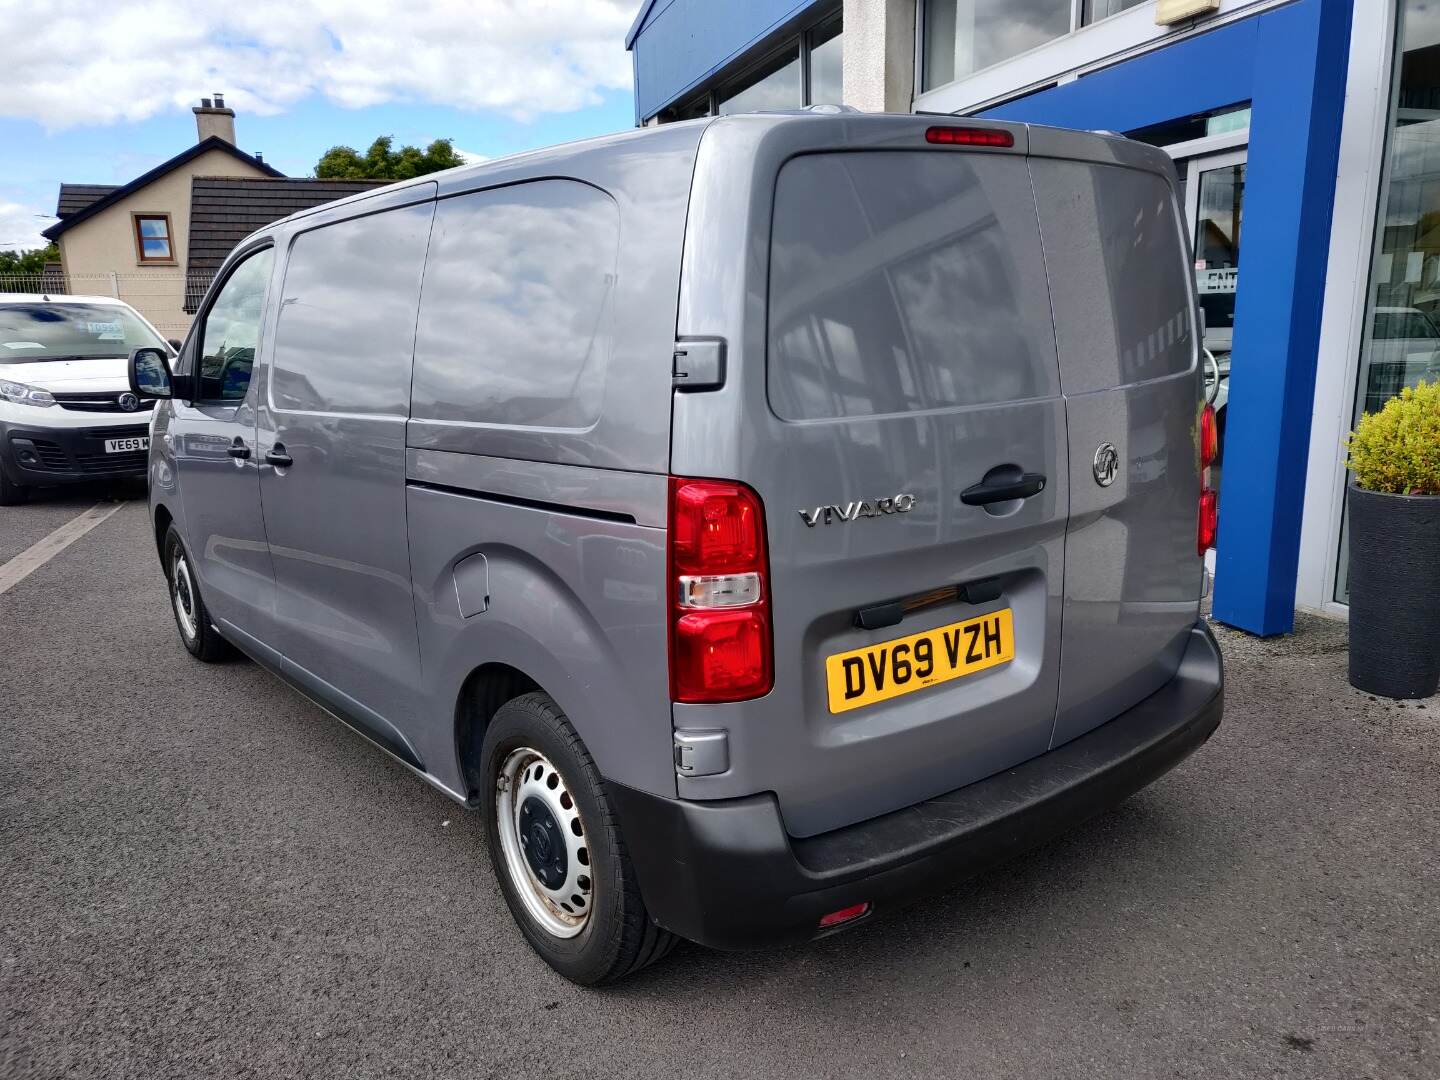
{"x": 1003, "y": 488}
{"x": 238, "y": 449}
{"x": 277, "y": 456}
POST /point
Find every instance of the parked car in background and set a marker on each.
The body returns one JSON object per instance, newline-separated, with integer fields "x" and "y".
{"x": 67, "y": 412}
{"x": 762, "y": 521}
{"x": 1404, "y": 348}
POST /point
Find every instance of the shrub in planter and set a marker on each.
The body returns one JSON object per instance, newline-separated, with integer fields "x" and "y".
{"x": 1395, "y": 547}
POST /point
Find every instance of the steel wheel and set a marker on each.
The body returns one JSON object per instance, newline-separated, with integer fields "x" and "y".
{"x": 543, "y": 838}
{"x": 182, "y": 595}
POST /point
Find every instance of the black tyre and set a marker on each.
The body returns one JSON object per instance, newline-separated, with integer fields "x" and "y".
{"x": 192, "y": 618}
{"x": 11, "y": 493}
{"x": 557, "y": 849}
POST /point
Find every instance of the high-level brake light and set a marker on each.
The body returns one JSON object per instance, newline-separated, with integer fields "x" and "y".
{"x": 966, "y": 136}
{"x": 720, "y": 642}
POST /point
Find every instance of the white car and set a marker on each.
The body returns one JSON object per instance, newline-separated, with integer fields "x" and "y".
{"x": 66, "y": 409}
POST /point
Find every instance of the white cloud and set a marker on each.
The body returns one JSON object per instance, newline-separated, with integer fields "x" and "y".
{"x": 20, "y": 226}
{"x": 103, "y": 61}
{"x": 469, "y": 157}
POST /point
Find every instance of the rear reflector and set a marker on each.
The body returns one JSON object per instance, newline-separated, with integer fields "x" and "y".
{"x": 963, "y": 136}
{"x": 844, "y": 915}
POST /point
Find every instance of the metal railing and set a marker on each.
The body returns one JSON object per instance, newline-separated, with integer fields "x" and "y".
{"x": 167, "y": 298}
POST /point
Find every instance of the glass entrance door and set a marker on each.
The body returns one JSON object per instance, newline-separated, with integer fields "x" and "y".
{"x": 1212, "y": 187}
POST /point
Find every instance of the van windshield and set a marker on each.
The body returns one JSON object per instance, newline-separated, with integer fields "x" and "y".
{"x": 37, "y": 331}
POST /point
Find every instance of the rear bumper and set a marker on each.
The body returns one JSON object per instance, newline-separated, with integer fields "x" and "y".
{"x": 725, "y": 873}
{"x": 33, "y": 454}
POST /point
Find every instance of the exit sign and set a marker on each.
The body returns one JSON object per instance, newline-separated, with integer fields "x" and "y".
{"x": 1173, "y": 11}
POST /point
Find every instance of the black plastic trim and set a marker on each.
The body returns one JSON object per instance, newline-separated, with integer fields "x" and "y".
{"x": 344, "y": 708}
{"x": 529, "y": 504}
{"x": 727, "y": 875}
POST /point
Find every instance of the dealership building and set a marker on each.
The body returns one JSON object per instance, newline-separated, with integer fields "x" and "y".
{"x": 1315, "y": 121}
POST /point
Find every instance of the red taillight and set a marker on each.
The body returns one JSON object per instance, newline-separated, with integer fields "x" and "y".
{"x": 844, "y": 915}
{"x": 964, "y": 136}
{"x": 1209, "y": 437}
{"x": 1208, "y": 520}
{"x": 720, "y": 642}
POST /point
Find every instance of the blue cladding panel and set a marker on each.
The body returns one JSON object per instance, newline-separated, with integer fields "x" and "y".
{"x": 683, "y": 42}
{"x": 1290, "y": 64}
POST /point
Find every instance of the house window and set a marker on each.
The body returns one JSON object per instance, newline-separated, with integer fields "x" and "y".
{"x": 152, "y": 238}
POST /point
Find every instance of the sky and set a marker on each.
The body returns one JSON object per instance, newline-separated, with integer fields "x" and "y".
{"x": 100, "y": 91}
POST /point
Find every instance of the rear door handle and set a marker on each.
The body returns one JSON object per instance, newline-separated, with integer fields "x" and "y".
{"x": 238, "y": 449}
{"x": 1003, "y": 490}
{"x": 277, "y": 456}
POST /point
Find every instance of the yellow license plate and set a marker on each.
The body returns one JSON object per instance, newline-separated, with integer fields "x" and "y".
{"x": 903, "y": 665}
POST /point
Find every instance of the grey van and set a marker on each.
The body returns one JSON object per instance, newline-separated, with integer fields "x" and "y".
{"x": 762, "y": 521}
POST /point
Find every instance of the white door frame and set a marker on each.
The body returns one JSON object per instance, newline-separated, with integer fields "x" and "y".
{"x": 1358, "y": 185}
{"x": 1202, "y": 163}
{"x": 1196, "y": 165}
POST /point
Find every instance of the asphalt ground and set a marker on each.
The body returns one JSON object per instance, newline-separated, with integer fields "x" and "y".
{"x": 201, "y": 875}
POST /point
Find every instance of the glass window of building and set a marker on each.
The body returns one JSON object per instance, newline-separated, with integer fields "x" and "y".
{"x": 964, "y": 36}
{"x": 1095, "y": 10}
{"x": 825, "y": 70}
{"x": 1402, "y": 342}
{"x": 775, "y": 84}
{"x": 806, "y": 71}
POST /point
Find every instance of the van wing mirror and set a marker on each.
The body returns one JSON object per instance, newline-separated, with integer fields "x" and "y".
{"x": 150, "y": 375}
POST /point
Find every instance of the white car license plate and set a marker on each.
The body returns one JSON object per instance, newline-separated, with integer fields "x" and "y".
{"x": 125, "y": 446}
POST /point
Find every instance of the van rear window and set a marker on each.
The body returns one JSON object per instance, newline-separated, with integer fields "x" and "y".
{"x": 904, "y": 281}
{"x": 1119, "y": 267}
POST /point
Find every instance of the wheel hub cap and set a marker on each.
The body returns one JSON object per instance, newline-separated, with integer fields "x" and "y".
{"x": 184, "y": 596}
{"x": 547, "y": 854}
{"x": 544, "y": 846}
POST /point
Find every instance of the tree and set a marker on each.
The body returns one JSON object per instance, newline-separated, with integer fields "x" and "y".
{"x": 381, "y": 162}
{"x": 31, "y": 261}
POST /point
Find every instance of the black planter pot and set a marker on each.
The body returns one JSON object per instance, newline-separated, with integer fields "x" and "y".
{"x": 1394, "y": 593}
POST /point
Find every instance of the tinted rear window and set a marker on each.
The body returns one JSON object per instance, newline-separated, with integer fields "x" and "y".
{"x": 1118, "y": 268}
{"x": 41, "y": 331}
{"x": 903, "y": 281}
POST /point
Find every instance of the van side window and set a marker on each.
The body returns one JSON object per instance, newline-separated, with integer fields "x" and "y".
{"x": 1113, "y": 244}
{"x": 515, "y": 315}
{"x": 346, "y": 330}
{"x": 232, "y": 330}
{"x": 905, "y": 281}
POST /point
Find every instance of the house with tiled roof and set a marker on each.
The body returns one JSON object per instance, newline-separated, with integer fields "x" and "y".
{"x": 157, "y": 241}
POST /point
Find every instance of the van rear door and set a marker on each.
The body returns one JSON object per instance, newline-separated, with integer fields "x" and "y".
{"x": 1124, "y": 324}
{"x": 899, "y": 414}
